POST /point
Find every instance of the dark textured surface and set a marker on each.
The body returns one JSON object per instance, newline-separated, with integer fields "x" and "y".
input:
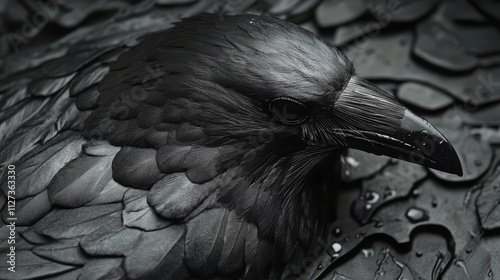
{"x": 131, "y": 207}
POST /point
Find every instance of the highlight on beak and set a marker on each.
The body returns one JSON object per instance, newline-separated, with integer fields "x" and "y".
{"x": 370, "y": 119}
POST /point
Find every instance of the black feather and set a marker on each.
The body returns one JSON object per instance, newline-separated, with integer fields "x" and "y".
{"x": 138, "y": 214}
{"x": 31, "y": 266}
{"x": 136, "y": 168}
{"x": 68, "y": 190}
{"x": 48, "y": 86}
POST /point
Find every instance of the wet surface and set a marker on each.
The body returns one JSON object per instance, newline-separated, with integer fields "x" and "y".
{"x": 334, "y": 12}
{"x": 394, "y": 182}
{"x": 441, "y": 48}
{"x": 423, "y": 97}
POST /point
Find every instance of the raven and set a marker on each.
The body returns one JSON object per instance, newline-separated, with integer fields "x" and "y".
{"x": 209, "y": 150}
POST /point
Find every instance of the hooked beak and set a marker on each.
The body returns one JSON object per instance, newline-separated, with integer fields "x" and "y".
{"x": 370, "y": 119}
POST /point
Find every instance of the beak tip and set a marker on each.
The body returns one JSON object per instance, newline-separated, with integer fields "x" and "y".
{"x": 456, "y": 168}
{"x": 449, "y": 161}
{"x": 442, "y": 155}
{"x": 456, "y": 165}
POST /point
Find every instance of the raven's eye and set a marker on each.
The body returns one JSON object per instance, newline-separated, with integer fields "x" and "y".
{"x": 288, "y": 111}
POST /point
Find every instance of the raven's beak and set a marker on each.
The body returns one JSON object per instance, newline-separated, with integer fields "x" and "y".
{"x": 372, "y": 120}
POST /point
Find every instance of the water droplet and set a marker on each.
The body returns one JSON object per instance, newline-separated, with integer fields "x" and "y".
{"x": 468, "y": 250}
{"x": 415, "y": 193}
{"x": 346, "y": 239}
{"x": 379, "y": 224}
{"x": 368, "y": 253}
{"x": 416, "y": 215}
{"x": 337, "y": 247}
{"x": 389, "y": 193}
{"x": 368, "y": 206}
{"x": 363, "y": 232}
{"x": 490, "y": 273}
{"x": 320, "y": 266}
{"x": 419, "y": 254}
{"x": 371, "y": 197}
{"x": 357, "y": 235}
{"x": 425, "y": 132}
{"x": 337, "y": 231}
{"x": 352, "y": 162}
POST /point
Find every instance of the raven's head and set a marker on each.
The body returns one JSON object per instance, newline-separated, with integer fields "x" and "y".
{"x": 266, "y": 75}
{"x": 252, "y": 106}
